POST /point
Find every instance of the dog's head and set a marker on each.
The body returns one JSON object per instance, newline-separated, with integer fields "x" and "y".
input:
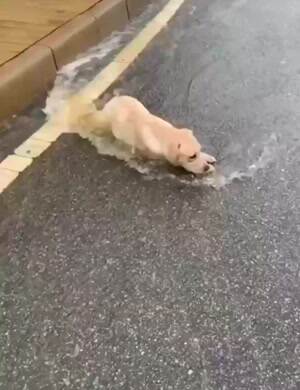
{"x": 186, "y": 152}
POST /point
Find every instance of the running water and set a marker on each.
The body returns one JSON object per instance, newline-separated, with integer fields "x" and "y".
{"x": 158, "y": 170}
{"x": 74, "y": 76}
{"x": 68, "y": 80}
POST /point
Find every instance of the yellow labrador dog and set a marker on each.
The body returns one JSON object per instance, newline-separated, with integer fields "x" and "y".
{"x": 152, "y": 137}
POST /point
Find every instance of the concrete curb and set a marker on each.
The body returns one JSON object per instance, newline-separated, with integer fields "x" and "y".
{"x": 33, "y": 72}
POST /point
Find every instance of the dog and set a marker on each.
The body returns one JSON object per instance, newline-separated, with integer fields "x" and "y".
{"x": 130, "y": 122}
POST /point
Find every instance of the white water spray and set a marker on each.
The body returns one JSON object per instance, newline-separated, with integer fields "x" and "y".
{"x": 156, "y": 170}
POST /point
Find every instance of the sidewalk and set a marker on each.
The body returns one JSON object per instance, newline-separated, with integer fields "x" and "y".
{"x": 24, "y": 23}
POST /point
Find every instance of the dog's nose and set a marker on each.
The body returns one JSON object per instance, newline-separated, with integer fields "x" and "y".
{"x": 206, "y": 168}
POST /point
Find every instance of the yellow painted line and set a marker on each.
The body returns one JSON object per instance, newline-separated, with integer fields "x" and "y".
{"x": 38, "y": 142}
{"x": 47, "y": 133}
{"x": 6, "y": 178}
{"x": 32, "y": 148}
{"x": 127, "y": 55}
{"x": 15, "y": 163}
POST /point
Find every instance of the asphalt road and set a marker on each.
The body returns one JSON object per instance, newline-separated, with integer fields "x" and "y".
{"x": 111, "y": 279}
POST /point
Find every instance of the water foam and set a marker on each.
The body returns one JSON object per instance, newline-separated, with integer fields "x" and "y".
{"x": 158, "y": 170}
{"x": 75, "y": 75}
{"x": 68, "y": 82}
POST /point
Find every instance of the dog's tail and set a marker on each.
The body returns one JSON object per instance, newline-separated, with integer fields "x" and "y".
{"x": 83, "y": 118}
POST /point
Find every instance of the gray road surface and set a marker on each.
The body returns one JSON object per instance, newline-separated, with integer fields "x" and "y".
{"x": 115, "y": 280}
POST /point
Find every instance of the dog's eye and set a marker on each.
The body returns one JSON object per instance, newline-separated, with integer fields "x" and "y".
{"x": 191, "y": 158}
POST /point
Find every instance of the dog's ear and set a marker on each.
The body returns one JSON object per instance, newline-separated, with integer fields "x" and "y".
{"x": 174, "y": 152}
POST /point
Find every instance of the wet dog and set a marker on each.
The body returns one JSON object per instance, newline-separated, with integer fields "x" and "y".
{"x": 150, "y": 136}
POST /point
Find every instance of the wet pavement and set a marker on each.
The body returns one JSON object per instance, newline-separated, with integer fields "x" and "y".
{"x": 111, "y": 279}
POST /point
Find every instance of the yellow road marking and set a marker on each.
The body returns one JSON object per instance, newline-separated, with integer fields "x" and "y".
{"x": 47, "y": 133}
{"x": 15, "y": 163}
{"x": 6, "y": 178}
{"x": 38, "y": 142}
{"x": 32, "y": 148}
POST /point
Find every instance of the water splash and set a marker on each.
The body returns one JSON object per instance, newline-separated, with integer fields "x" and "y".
{"x": 268, "y": 152}
{"x": 68, "y": 80}
{"x": 75, "y": 75}
{"x": 159, "y": 170}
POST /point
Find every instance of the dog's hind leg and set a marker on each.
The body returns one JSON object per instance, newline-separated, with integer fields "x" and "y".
{"x": 96, "y": 122}
{"x": 84, "y": 118}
